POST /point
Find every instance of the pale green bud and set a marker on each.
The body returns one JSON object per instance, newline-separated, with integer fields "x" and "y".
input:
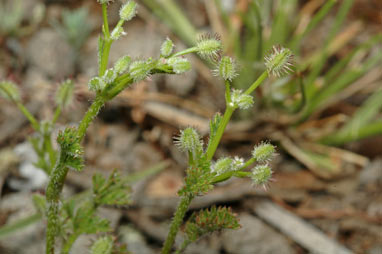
{"x": 96, "y": 84}
{"x": 128, "y": 11}
{"x": 279, "y": 61}
{"x": 103, "y": 245}
{"x": 179, "y": 64}
{"x": 117, "y": 33}
{"x": 263, "y": 152}
{"x": 166, "y": 48}
{"x": 139, "y": 70}
{"x": 261, "y": 175}
{"x": 222, "y": 165}
{"x": 189, "y": 140}
{"x": 109, "y": 76}
{"x": 238, "y": 99}
{"x": 226, "y": 68}
{"x": 122, "y": 64}
{"x": 209, "y": 46}
{"x": 9, "y": 91}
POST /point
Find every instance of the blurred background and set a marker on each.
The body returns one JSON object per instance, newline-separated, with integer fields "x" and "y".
{"x": 325, "y": 119}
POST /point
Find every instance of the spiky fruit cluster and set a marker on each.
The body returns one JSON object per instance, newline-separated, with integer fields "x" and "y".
{"x": 209, "y": 46}
{"x": 261, "y": 175}
{"x": 263, "y": 152}
{"x": 189, "y": 140}
{"x": 128, "y": 11}
{"x": 240, "y": 99}
{"x": 71, "y": 149}
{"x": 226, "y": 68}
{"x": 179, "y": 64}
{"x": 167, "y": 48}
{"x": 279, "y": 61}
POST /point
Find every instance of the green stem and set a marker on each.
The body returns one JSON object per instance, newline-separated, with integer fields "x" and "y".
{"x": 219, "y": 133}
{"x": 58, "y": 175}
{"x": 185, "y": 52}
{"x": 105, "y": 21}
{"x": 29, "y": 116}
{"x": 107, "y": 45}
{"x": 56, "y": 114}
{"x": 258, "y": 82}
{"x": 69, "y": 243}
{"x": 49, "y": 148}
{"x": 176, "y": 223}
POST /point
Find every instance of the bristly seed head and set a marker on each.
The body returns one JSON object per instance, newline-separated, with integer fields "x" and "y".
{"x": 122, "y": 64}
{"x": 189, "y": 140}
{"x": 166, "y": 48}
{"x": 209, "y": 46}
{"x": 139, "y": 70}
{"x": 226, "y": 68}
{"x": 261, "y": 175}
{"x": 263, "y": 152}
{"x": 279, "y": 61}
{"x": 238, "y": 99}
{"x": 128, "y": 11}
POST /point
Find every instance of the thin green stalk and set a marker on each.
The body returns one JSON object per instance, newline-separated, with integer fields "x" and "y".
{"x": 186, "y": 51}
{"x": 258, "y": 82}
{"x": 219, "y": 133}
{"x": 176, "y": 223}
{"x": 183, "y": 246}
{"x": 29, "y": 116}
{"x": 57, "y": 113}
{"x": 108, "y": 42}
{"x": 49, "y": 148}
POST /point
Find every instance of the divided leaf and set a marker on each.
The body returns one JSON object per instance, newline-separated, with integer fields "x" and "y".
{"x": 111, "y": 191}
{"x": 210, "y": 220}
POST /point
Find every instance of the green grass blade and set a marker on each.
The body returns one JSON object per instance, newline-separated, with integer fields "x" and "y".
{"x": 317, "y": 18}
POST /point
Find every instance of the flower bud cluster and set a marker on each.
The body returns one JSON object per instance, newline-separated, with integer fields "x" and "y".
{"x": 139, "y": 70}
{"x": 240, "y": 100}
{"x": 122, "y": 64}
{"x": 179, "y": 64}
{"x": 227, "y": 164}
{"x": 117, "y": 33}
{"x": 279, "y": 61}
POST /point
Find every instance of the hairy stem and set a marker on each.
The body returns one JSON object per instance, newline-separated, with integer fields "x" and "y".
{"x": 176, "y": 223}
{"x": 58, "y": 175}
